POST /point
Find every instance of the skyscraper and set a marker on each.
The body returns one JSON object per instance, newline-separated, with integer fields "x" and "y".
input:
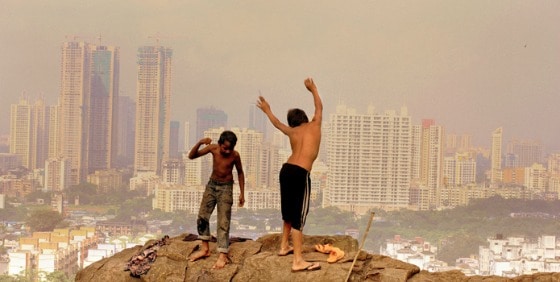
{"x": 125, "y": 140}
{"x": 524, "y": 153}
{"x": 29, "y": 132}
{"x": 88, "y": 107}
{"x": 187, "y": 137}
{"x": 41, "y": 129}
{"x": 431, "y": 159}
{"x": 174, "y": 139}
{"x": 103, "y": 108}
{"x": 258, "y": 120}
{"x": 459, "y": 170}
{"x": 153, "y": 97}
{"x": 369, "y": 159}
{"x": 496, "y": 156}
{"x": 207, "y": 118}
{"x": 21, "y": 131}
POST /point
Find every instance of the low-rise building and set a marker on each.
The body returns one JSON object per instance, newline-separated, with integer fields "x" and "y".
{"x": 45, "y": 252}
{"x": 418, "y": 252}
{"x": 515, "y": 256}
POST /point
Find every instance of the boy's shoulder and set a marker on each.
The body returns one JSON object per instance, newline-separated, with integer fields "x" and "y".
{"x": 212, "y": 147}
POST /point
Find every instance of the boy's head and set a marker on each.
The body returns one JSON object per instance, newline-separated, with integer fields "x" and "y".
{"x": 296, "y": 117}
{"x": 227, "y": 142}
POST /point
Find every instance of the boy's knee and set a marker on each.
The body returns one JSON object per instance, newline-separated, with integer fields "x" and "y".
{"x": 202, "y": 224}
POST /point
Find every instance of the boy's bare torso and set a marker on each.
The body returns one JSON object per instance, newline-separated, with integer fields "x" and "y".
{"x": 222, "y": 167}
{"x": 305, "y": 140}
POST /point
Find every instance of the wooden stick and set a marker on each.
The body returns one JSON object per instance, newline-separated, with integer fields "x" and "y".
{"x": 361, "y": 246}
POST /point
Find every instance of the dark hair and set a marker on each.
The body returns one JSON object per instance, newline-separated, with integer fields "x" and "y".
{"x": 296, "y": 117}
{"x": 228, "y": 136}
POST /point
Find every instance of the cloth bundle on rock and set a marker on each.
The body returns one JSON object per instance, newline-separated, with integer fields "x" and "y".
{"x": 141, "y": 262}
{"x": 335, "y": 253}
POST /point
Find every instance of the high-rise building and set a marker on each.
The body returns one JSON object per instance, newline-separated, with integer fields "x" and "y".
{"x": 88, "y": 107}
{"x": 125, "y": 140}
{"x": 107, "y": 181}
{"x": 523, "y": 153}
{"x": 187, "y": 139}
{"x": 431, "y": 160}
{"x": 174, "y": 139}
{"x": 207, "y": 118}
{"x": 415, "y": 150}
{"x": 54, "y": 133}
{"x": 152, "y": 108}
{"x": 258, "y": 121}
{"x": 496, "y": 156}
{"x": 21, "y": 131}
{"x": 513, "y": 175}
{"x": 8, "y": 161}
{"x": 536, "y": 179}
{"x": 455, "y": 143}
{"x": 553, "y": 161}
{"x": 29, "y": 132}
{"x": 57, "y": 174}
{"x": 173, "y": 171}
{"x": 193, "y": 170}
{"x": 103, "y": 108}
{"x": 369, "y": 158}
{"x": 459, "y": 170}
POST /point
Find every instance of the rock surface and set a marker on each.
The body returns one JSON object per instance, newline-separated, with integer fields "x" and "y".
{"x": 258, "y": 261}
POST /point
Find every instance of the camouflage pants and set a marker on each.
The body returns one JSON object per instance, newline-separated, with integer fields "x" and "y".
{"x": 218, "y": 194}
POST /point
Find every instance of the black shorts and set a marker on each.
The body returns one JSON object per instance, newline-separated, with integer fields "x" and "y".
{"x": 295, "y": 190}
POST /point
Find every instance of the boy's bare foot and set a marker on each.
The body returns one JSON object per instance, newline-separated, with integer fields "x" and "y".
{"x": 285, "y": 252}
{"x": 221, "y": 262}
{"x": 307, "y": 266}
{"x": 199, "y": 254}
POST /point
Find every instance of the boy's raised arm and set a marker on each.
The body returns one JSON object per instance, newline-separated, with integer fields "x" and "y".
{"x": 195, "y": 152}
{"x": 310, "y": 85}
{"x": 265, "y": 107}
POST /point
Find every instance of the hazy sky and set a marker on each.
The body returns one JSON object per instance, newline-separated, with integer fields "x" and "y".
{"x": 472, "y": 66}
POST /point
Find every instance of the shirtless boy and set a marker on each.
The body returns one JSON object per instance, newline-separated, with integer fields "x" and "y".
{"x": 295, "y": 184}
{"x": 219, "y": 192}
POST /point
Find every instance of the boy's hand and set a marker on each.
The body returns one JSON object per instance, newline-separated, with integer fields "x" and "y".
{"x": 263, "y": 104}
{"x": 205, "y": 141}
{"x": 241, "y": 201}
{"x": 310, "y": 85}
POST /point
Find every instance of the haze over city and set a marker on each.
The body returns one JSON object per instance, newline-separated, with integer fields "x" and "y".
{"x": 472, "y": 66}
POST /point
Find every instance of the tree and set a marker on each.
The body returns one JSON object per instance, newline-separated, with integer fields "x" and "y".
{"x": 330, "y": 220}
{"x": 38, "y": 194}
{"x": 85, "y": 191}
{"x": 44, "y": 220}
{"x": 57, "y": 276}
{"x": 11, "y": 213}
{"x": 134, "y": 207}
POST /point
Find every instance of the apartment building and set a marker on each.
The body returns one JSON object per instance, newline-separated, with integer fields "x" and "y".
{"x": 369, "y": 159}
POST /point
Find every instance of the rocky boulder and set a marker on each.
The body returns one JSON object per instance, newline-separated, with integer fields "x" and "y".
{"x": 258, "y": 261}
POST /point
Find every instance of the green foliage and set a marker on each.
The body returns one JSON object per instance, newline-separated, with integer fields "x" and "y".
{"x": 465, "y": 228}
{"x": 456, "y": 246}
{"x": 38, "y": 194}
{"x": 10, "y": 213}
{"x": 57, "y": 276}
{"x": 329, "y": 220}
{"x": 44, "y": 220}
{"x": 14, "y": 278}
{"x": 133, "y": 207}
{"x": 86, "y": 192}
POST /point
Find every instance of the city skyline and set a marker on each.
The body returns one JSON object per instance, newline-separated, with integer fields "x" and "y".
{"x": 472, "y": 67}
